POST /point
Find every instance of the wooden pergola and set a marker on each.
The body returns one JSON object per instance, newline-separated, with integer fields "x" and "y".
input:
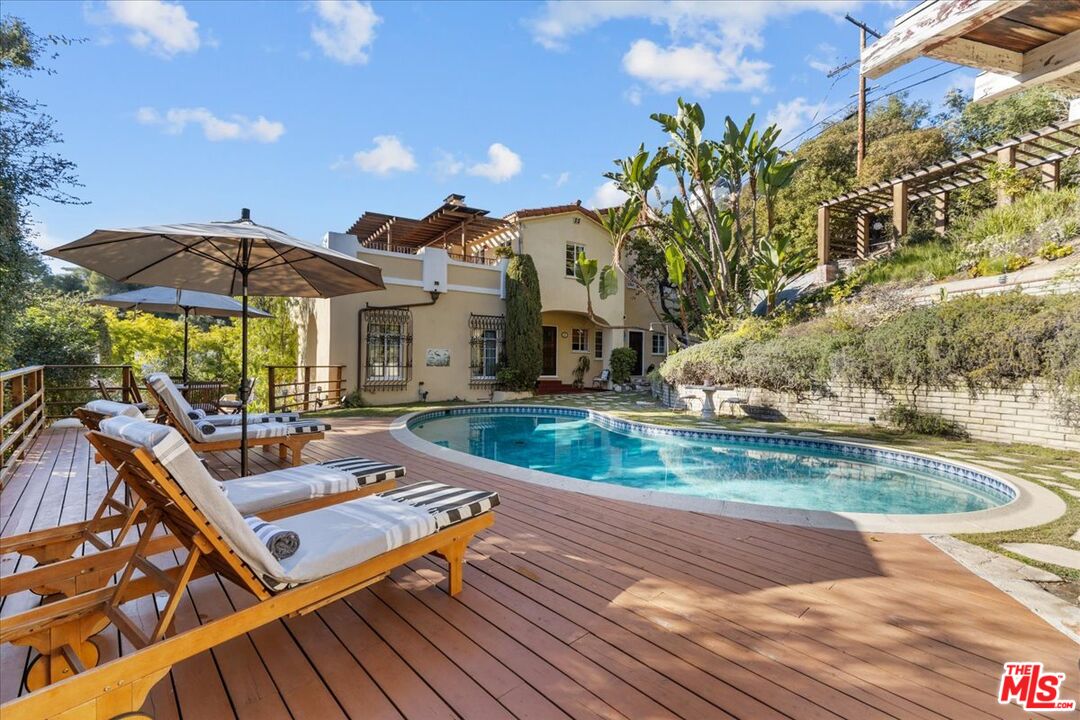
{"x": 454, "y": 226}
{"x": 844, "y": 222}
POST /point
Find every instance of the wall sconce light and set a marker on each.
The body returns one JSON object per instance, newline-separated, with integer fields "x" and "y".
{"x": 435, "y": 292}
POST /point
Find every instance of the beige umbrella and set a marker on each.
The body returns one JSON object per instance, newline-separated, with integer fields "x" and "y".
{"x": 227, "y": 258}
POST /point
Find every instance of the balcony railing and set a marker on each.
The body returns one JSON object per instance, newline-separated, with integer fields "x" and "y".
{"x": 388, "y": 247}
{"x": 305, "y": 388}
{"x": 22, "y": 414}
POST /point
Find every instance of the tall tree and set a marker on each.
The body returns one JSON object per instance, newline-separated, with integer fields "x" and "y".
{"x": 524, "y": 351}
{"x": 30, "y": 169}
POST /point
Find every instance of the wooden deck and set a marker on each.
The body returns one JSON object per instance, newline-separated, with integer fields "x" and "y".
{"x": 582, "y": 607}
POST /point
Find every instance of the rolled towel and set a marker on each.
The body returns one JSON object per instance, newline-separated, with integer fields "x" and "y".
{"x": 280, "y": 542}
{"x": 196, "y": 414}
{"x": 207, "y": 428}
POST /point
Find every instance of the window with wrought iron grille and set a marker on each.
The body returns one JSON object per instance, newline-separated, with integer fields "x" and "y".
{"x": 387, "y": 348}
{"x": 487, "y": 343}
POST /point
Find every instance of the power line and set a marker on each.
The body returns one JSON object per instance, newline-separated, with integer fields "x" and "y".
{"x": 870, "y": 101}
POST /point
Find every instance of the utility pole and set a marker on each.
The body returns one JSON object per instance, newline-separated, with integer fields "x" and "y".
{"x": 860, "y": 149}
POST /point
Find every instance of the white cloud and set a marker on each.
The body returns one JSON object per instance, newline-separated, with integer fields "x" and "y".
{"x": 163, "y": 28}
{"x": 606, "y": 195}
{"x": 564, "y": 177}
{"x": 389, "y": 155}
{"x": 708, "y": 41}
{"x": 826, "y": 57}
{"x": 215, "y": 129}
{"x": 345, "y": 30}
{"x": 448, "y": 165}
{"x": 696, "y": 68}
{"x": 794, "y": 115}
{"x": 503, "y": 164}
{"x": 633, "y": 95}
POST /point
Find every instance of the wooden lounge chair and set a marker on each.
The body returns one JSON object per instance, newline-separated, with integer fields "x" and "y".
{"x": 106, "y": 394}
{"x": 349, "y": 546}
{"x": 207, "y": 436}
{"x": 290, "y": 490}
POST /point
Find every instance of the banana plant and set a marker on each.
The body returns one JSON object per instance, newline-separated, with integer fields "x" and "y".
{"x": 777, "y": 262}
{"x": 585, "y": 272}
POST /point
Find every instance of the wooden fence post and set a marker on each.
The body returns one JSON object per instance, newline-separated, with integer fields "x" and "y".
{"x": 1051, "y": 175}
{"x": 271, "y": 389}
{"x": 941, "y": 213}
{"x": 1007, "y": 158}
{"x": 862, "y": 236}
{"x": 899, "y": 210}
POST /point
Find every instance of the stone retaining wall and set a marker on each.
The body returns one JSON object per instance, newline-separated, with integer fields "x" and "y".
{"x": 1024, "y": 415}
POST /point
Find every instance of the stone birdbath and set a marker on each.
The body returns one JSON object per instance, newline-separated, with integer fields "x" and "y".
{"x": 708, "y": 408}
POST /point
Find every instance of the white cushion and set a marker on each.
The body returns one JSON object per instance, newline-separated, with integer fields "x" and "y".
{"x": 340, "y": 536}
{"x": 256, "y": 493}
{"x": 112, "y": 408}
{"x": 331, "y": 538}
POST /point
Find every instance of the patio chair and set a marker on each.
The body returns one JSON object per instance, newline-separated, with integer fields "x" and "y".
{"x": 602, "y": 380}
{"x": 207, "y": 436}
{"x": 166, "y": 385}
{"x": 106, "y": 394}
{"x": 232, "y": 403}
{"x": 339, "y": 550}
{"x": 93, "y": 412}
{"x": 288, "y": 491}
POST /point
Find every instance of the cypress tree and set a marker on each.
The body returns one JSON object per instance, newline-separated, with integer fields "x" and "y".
{"x": 524, "y": 351}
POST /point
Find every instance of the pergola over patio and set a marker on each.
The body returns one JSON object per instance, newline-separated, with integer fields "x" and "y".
{"x": 844, "y": 222}
{"x": 454, "y": 226}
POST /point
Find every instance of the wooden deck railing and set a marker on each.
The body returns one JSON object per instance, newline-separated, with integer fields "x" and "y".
{"x": 22, "y": 414}
{"x": 69, "y": 386}
{"x": 305, "y": 388}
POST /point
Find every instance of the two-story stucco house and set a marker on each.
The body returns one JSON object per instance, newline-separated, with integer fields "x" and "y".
{"x": 437, "y": 329}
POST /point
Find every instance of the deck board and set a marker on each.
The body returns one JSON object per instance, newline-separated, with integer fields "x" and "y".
{"x": 582, "y": 607}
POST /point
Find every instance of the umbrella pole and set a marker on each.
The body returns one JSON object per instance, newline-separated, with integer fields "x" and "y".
{"x": 243, "y": 364}
{"x": 187, "y": 311}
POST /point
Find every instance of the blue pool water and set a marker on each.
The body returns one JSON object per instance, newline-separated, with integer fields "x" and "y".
{"x": 811, "y": 478}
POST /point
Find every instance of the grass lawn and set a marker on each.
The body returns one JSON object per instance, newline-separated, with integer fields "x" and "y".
{"x": 1036, "y": 464}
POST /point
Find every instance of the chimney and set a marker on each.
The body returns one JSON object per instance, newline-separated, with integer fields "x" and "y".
{"x": 454, "y": 199}
{"x": 245, "y": 215}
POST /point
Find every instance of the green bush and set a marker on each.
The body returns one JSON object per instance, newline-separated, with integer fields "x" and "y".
{"x": 623, "y": 360}
{"x": 524, "y": 335}
{"x": 974, "y": 342}
{"x": 1055, "y": 251}
{"x": 910, "y": 419}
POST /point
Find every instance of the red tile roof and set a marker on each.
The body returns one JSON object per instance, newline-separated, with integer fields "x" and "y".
{"x": 553, "y": 210}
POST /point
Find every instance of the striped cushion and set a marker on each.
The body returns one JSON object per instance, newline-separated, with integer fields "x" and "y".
{"x": 447, "y": 504}
{"x": 366, "y": 472}
{"x": 307, "y": 426}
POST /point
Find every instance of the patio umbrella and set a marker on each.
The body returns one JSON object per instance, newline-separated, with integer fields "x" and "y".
{"x": 227, "y": 258}
{"x": 179, "y": 302}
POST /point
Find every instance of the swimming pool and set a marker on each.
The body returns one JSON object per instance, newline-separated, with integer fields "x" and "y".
{"x": 781, "y": 471}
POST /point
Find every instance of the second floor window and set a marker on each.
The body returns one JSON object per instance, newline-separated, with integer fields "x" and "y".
{"x": 580, "y": 340}
{"x": 572, "y": 252}
{"x": 659, "y": 344}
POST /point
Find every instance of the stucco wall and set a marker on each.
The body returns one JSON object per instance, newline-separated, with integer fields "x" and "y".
{"x": 566, "y": 357}
{"x": 1024, "y": 415}
{"x": 545, "y": 239}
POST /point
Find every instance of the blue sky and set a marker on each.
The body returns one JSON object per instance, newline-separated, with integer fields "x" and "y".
{"x": 311, "y": 113}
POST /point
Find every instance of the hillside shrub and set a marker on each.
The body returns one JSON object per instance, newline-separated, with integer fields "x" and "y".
{"x": 622, "y": 361}
{"x": 977, "y": 343}
{"x": 524, "y": 335}
{"x": 910, "y": 419}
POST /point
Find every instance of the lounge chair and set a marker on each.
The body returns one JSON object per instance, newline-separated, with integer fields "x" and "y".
{"x": 93, "y": 412}
{"x": 289, "y": 490}
{"x": 341, "y": 549}
{"x": 207, "y": 436}
{"x": 106, "y": 394}
{"x": 602, "y": 379}
{"x": 165, "y": 385}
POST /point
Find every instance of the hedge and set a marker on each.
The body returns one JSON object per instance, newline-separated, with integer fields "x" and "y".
{"x": 977, "y": 343}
